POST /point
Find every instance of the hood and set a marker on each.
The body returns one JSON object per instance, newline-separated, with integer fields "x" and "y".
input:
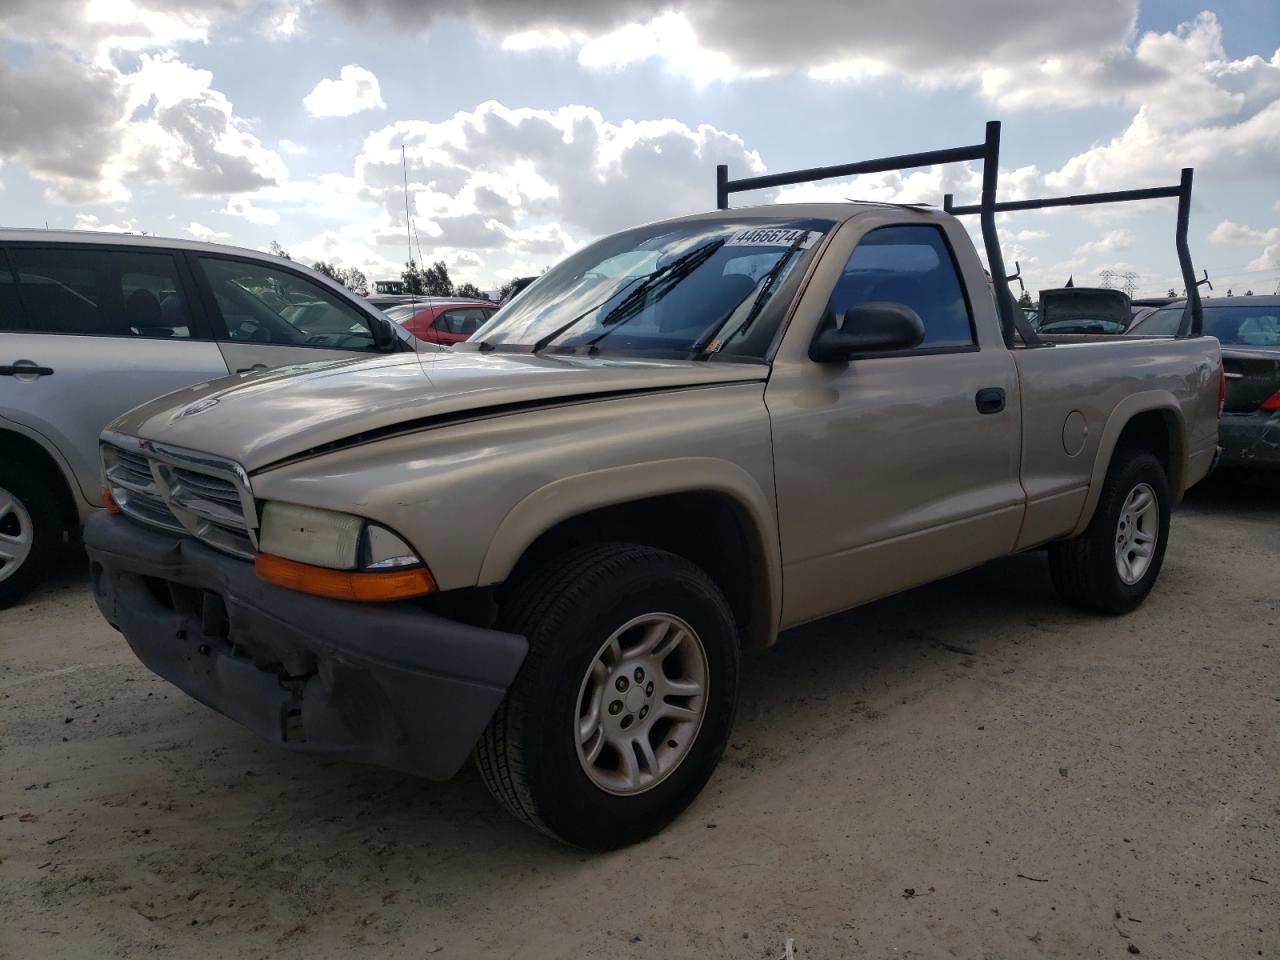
{"x": 260, "y": 418}
{"x": 1084, "y": 303}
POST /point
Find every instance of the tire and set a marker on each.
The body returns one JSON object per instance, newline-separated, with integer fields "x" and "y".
{"x": 533, "y": 757}
{"x": 1087, "y": 570}
{"x": 31, "y": 530}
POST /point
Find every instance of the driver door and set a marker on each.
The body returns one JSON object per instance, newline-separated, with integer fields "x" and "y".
{"x": 266, "y": 316}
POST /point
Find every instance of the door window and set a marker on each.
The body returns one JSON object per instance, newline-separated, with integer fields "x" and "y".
{"x": 911, "y": 265}
{"x": 261, "y": 304}
{"x": 462, "y": 322}
{"x": 101, "y": 293}
{"x": 10, "y": 306}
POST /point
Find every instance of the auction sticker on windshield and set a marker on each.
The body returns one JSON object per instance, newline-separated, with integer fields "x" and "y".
{"x": 773, "y": 237}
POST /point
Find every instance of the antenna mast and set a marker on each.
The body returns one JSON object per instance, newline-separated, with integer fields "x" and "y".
{"x": 408, "y": 224}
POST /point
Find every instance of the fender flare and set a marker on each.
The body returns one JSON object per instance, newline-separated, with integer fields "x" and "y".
{"x": 563, "y": 499}
{"x": 1161, "y": 401}
{"x": 79, "y": 503}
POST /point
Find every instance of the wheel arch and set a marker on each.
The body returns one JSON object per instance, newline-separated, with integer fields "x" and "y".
{"x": 1150, "y": 421}
{"x": 35, "y": 455}
{"x": 710, "y": 511}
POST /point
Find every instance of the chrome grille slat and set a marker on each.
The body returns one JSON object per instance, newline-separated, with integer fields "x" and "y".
{"x": 204, "y": 496}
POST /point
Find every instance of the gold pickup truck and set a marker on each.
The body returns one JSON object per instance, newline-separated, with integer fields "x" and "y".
{"x": 549, "y": 547}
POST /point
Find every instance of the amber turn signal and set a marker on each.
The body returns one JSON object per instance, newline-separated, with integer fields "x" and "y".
{"x": 109, "y": 501}
{"x": 344, "y": 584}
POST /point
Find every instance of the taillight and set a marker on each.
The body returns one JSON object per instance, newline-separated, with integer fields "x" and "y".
{"x": 1222, "y": 390}
{"x": 1272, "y": 402}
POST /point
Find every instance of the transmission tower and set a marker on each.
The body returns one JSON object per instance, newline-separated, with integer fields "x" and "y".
{"x": 1127, "y": 281}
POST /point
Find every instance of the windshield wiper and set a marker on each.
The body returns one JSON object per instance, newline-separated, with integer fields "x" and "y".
{"x": 663, "y": 281}
{"x": 555, "y": 334}
{"x": 770, "y": 281}
{"x": 643, "y": 283}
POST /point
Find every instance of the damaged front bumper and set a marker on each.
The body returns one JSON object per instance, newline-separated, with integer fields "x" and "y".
{"x": 389, "y": 684}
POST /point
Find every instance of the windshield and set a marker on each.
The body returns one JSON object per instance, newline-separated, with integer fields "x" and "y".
{"x": 692, "y": 289}
{"x": 1244, "y": 325}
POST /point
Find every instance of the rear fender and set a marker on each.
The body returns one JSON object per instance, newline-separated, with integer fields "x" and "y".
{"x": 1131, "y": 406}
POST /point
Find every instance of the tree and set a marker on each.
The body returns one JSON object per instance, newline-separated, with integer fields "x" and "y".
{"x": 1228, "y": 291}
{"x": 278, "y": 250}
{"x": 469, "y": 290}
{"x": 436, "y": 282}
{"x": 328, "y": 269}
{"x": 1248, "y": 293}
{"x": 353, "y": 279}
{"x": 411, "y": 277}
{"x": 1172, "y": 292}
{"x": 1025, "y": 299}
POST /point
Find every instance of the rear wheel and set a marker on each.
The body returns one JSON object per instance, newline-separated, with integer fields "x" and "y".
{"x": 625, "y": 700}
{"x": 1112, "y": 566}
{"x": 30, "y": 531}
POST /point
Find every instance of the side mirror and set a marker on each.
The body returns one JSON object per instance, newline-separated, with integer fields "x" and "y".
{"x": 869, "y": 328}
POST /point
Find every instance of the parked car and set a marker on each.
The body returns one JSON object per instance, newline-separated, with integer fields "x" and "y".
{"x": 1249, "y": 330}
{"x": 93, "y": 324}
{"x": 1083, "y": 310}
{"x": 550, "y": 545}
{"x": 388, "y": 301}
{"x": 446, "y": 321}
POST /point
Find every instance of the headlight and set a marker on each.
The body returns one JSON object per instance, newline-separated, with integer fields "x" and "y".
{"x": 320, "y": 537}
{"x": 337, "y": 555}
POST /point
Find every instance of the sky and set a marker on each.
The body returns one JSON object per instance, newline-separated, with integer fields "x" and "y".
{"x": 530, "y": 129}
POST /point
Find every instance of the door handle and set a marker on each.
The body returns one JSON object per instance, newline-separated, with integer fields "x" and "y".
{"x": 26, "y": 368}
{"x": 256, "y": 366}
{"x": 990, "y": 400}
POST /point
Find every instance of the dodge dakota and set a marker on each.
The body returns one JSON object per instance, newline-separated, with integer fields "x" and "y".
{"x": 549, "y": 548}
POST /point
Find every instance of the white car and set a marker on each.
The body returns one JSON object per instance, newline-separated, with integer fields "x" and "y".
{"x": 94, "y": 324}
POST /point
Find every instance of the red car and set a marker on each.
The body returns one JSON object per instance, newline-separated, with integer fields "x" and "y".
{"x": 442, "y": 321}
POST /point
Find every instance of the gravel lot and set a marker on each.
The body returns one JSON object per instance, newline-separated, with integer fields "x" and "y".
{"x": 966, "y": 770}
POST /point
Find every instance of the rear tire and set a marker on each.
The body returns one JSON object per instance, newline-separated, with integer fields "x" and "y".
{"x": 1112, "y": 566}
{"x": 31, "y": 530}
{"x": 589, "y": 616}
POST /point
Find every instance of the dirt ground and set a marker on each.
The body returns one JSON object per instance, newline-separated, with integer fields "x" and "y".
{"x": 967, "y": 770}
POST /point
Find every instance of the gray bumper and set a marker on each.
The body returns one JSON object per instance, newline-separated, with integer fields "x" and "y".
{"x": 389, "y": 684}
{"x": 1250, "y": 440}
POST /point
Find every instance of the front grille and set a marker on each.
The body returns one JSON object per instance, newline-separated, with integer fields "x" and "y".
{"x": 207, "y": 497}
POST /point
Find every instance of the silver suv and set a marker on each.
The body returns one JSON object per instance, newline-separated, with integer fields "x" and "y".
{"x": 94, "y": 324}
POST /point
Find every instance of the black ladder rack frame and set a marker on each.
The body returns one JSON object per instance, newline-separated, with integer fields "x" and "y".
{"x": 989, "y": 153}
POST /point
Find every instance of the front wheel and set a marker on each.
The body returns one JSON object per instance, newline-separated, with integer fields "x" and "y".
{"x": 625, "y": 700}
{"x": 31, "y": 531}
{"x": 1112, "y": 566}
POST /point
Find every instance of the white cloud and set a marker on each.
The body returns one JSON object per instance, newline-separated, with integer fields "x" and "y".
{"x": 929, "y": 40}
{"x": 89, "y": 130}
{"x": 201, "y": 232}
{"x": 356, "y": 89}
{"x": 531, "y": 181}
{"x": 1112, "y": 241}
{"x": 89, "y": 221}
{"x": 1231, "y": 233}
{"x": 243, "y": 207}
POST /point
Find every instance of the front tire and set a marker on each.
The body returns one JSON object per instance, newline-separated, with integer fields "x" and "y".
{"x": 1112, "y": 566}
{"x": 625, "y": 701}
{"x": 31, "y": 531}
